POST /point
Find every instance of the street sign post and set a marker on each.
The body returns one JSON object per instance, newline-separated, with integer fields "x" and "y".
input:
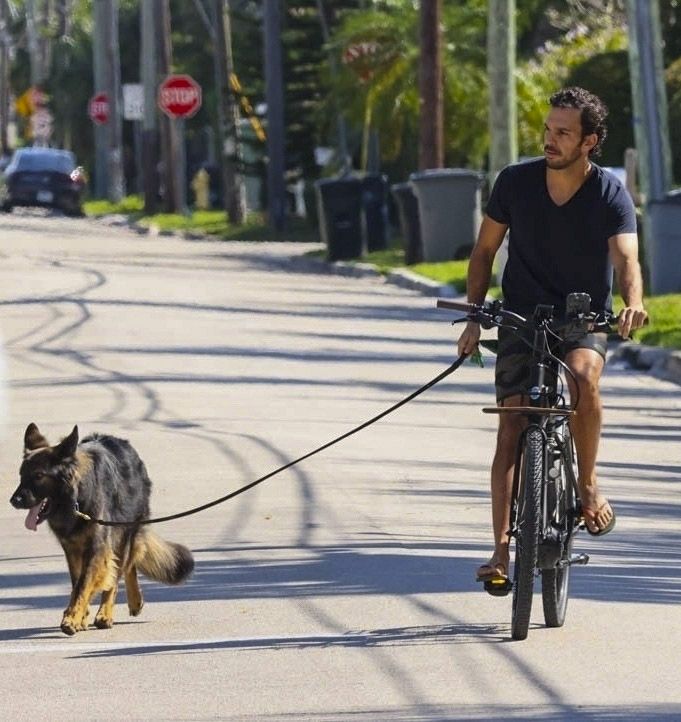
{"x": 98, "y": 108}
{"x": 133, "y": 101}
{"x": 179, "y": 96}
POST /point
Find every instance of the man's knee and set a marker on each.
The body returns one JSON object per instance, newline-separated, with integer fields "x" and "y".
{"x": 586, "y": 368}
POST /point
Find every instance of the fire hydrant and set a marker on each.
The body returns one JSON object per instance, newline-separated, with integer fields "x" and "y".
{"x": 201, "y": 188}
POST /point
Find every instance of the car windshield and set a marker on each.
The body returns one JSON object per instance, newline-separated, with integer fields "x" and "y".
{"x": 62, "y": 162}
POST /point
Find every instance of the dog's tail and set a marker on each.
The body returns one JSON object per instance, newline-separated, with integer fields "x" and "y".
{"x": 161, "y": 560}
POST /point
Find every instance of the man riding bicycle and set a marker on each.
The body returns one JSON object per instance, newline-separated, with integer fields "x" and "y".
{"x": 570, "y": 223}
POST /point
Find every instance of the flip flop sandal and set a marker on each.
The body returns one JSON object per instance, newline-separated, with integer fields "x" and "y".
{"x": 496, "y": 571}
{"x": 592, "y": 514}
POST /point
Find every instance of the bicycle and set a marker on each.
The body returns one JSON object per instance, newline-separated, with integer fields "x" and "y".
{"x": 545, "y": 505}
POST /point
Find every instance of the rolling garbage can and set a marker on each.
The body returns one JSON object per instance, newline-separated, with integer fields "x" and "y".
{"x": 663, "y": 248}
{"x": 408, "y": 214}
{"x": 339, "y": 204}
{"x": 375, "y": 211}
{"x": 449, "y": 210}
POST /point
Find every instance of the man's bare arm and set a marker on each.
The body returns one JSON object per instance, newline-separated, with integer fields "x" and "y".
{"x": 624, "y": 257}
{"x": 490, "y": 238}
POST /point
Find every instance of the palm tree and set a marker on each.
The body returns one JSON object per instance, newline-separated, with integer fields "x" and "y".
{"x": 378, "y": 82}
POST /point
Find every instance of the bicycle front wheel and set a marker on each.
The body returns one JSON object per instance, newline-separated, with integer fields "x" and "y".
{"x": 527, "y": 531}
{"x": 555, "y": 583}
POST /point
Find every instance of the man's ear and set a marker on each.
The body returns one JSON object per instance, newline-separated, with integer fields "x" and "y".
{"x": 67, "y": 447}
{"x": 33, "y": 439}
{"x": 590, "y": 140}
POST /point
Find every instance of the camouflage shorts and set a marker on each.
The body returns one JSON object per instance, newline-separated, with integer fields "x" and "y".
{"x": 514, "y": 359}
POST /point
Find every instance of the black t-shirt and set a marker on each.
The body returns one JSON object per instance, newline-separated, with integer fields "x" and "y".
{"x": 555, "y": 250}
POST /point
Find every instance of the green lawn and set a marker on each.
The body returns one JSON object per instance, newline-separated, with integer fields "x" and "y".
{"x": 664, "y": 328}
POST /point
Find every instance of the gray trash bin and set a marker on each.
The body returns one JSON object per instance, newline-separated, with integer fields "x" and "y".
{"x": 339, "y": 203}
{"x": 450, "y": 211}
{"x": 663, "y": 248}
{"x": 408, "y": 213}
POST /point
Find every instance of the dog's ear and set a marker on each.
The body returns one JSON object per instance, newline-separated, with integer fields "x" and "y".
{"x": 33, "y": 439}
{"x": 67, "y": 447}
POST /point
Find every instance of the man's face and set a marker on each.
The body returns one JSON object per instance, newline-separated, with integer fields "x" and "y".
{"x": 564, "y": 144}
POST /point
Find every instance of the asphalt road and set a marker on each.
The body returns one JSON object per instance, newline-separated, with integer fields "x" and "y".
{"x": 342, "y": 589}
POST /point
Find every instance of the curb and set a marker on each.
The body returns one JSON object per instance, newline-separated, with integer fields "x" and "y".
{"x": 659, "y": 362}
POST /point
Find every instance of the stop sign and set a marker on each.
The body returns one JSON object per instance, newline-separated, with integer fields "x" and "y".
{"x": 179, "y": 96}
{"x": 98, "y": 108}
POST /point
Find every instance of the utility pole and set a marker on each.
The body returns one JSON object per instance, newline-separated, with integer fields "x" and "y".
{"x": 341, "y": 129}
{"x": 116, "y": 188}
{"x": 274, "y": 95}
{"x": 100, "y": 79}
{"x": 431, "y": 136}
{"x": 149, "y": 78}
{"x": 662, "y": 216}
{"x": 170, "y": 141}
{"x": 5, "y": 41}
{"x": 503, "y": 124}
{"x": 228, "y": 115}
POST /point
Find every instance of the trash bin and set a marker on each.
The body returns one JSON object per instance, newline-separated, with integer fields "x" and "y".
{"x": 375, "y": 211}
{"x": 449, "y": 211}
{"x": 663, "y": 246}
{"x": 339, "y": 204}
{"x": 408, "y": 214}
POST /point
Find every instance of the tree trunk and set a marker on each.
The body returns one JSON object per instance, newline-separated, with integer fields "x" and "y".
{"x": 4, "y": 79}
{"x": 431, "y": 141}
{"x": 228, "y": 114}
{"x": 169, "y": 139}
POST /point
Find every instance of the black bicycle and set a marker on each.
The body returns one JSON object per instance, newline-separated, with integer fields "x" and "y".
{"x": 545, "y": 505}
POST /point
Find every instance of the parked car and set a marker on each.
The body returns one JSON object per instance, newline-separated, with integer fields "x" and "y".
{"x": 44, "y": 177}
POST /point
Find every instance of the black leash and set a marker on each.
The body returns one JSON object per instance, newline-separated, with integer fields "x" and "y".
{"x": 241, "y": 490}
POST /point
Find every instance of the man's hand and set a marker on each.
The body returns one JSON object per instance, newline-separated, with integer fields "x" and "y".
{"x": 630, "y": 318}
{"x": 468, "y": 341}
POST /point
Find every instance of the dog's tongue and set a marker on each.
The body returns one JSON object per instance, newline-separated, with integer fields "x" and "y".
{"x": 32, "y": 517}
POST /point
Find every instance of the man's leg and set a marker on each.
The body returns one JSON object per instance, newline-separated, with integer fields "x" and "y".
{"x": 587, "y": 366}
{"x": 510, "y": 427}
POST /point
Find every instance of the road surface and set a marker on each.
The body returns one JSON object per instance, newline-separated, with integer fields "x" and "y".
{"x": 342, "y": 589}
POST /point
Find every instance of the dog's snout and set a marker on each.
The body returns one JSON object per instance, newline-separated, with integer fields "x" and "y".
{"x": 17, "y": 499}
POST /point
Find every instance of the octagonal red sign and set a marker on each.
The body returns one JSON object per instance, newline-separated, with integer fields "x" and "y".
{"x": 98, "y": 108}
{"x": 179, "y": 96}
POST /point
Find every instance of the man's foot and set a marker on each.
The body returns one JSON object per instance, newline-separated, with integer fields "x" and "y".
{"x": 599, "y": 520}
{"x": 493, "y": 569}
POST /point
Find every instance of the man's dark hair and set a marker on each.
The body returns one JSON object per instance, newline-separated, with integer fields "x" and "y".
{"x": 593, "y": 112}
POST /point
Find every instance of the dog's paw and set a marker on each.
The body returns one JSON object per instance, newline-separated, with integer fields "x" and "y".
{"x": 70, "y": 626}
{"x": 135, "y": 609}
{"x": 102, "y": 622}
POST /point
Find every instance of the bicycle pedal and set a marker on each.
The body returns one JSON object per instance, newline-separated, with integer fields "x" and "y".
{"x": 579, "y": 559}
{"x": 498, "y": 587}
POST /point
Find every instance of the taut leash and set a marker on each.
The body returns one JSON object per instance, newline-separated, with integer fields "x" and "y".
{"x": 241, "y": 490}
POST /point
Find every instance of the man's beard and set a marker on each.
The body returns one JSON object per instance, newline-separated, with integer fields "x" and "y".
{"x": 562, "y": 162}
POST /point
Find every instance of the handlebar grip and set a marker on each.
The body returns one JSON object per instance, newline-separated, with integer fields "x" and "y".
{"x": 456, "y": 305}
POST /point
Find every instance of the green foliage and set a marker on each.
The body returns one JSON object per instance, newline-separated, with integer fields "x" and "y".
{"x": 128, "y": 206}
{"x": 607, "y": 75}
{"x": 664, "y": 328}
{"x": 673, "y": 78}
{"x": 549, "y": 70}
{"x": 380, "y": 89}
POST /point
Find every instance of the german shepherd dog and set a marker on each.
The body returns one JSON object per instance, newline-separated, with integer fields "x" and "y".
{"x": 104, "y": 477}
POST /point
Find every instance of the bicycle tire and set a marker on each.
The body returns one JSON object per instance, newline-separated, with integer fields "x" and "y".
{"x": 527, "y": 533}
{"x": 555, "y": 583}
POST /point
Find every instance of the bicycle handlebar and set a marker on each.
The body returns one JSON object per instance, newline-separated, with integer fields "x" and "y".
{"x": 491, "y": 313}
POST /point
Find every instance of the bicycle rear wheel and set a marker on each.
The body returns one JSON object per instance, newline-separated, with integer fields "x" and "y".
{"x": 555, "y": 583}
{"x": 527, "y": 531}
